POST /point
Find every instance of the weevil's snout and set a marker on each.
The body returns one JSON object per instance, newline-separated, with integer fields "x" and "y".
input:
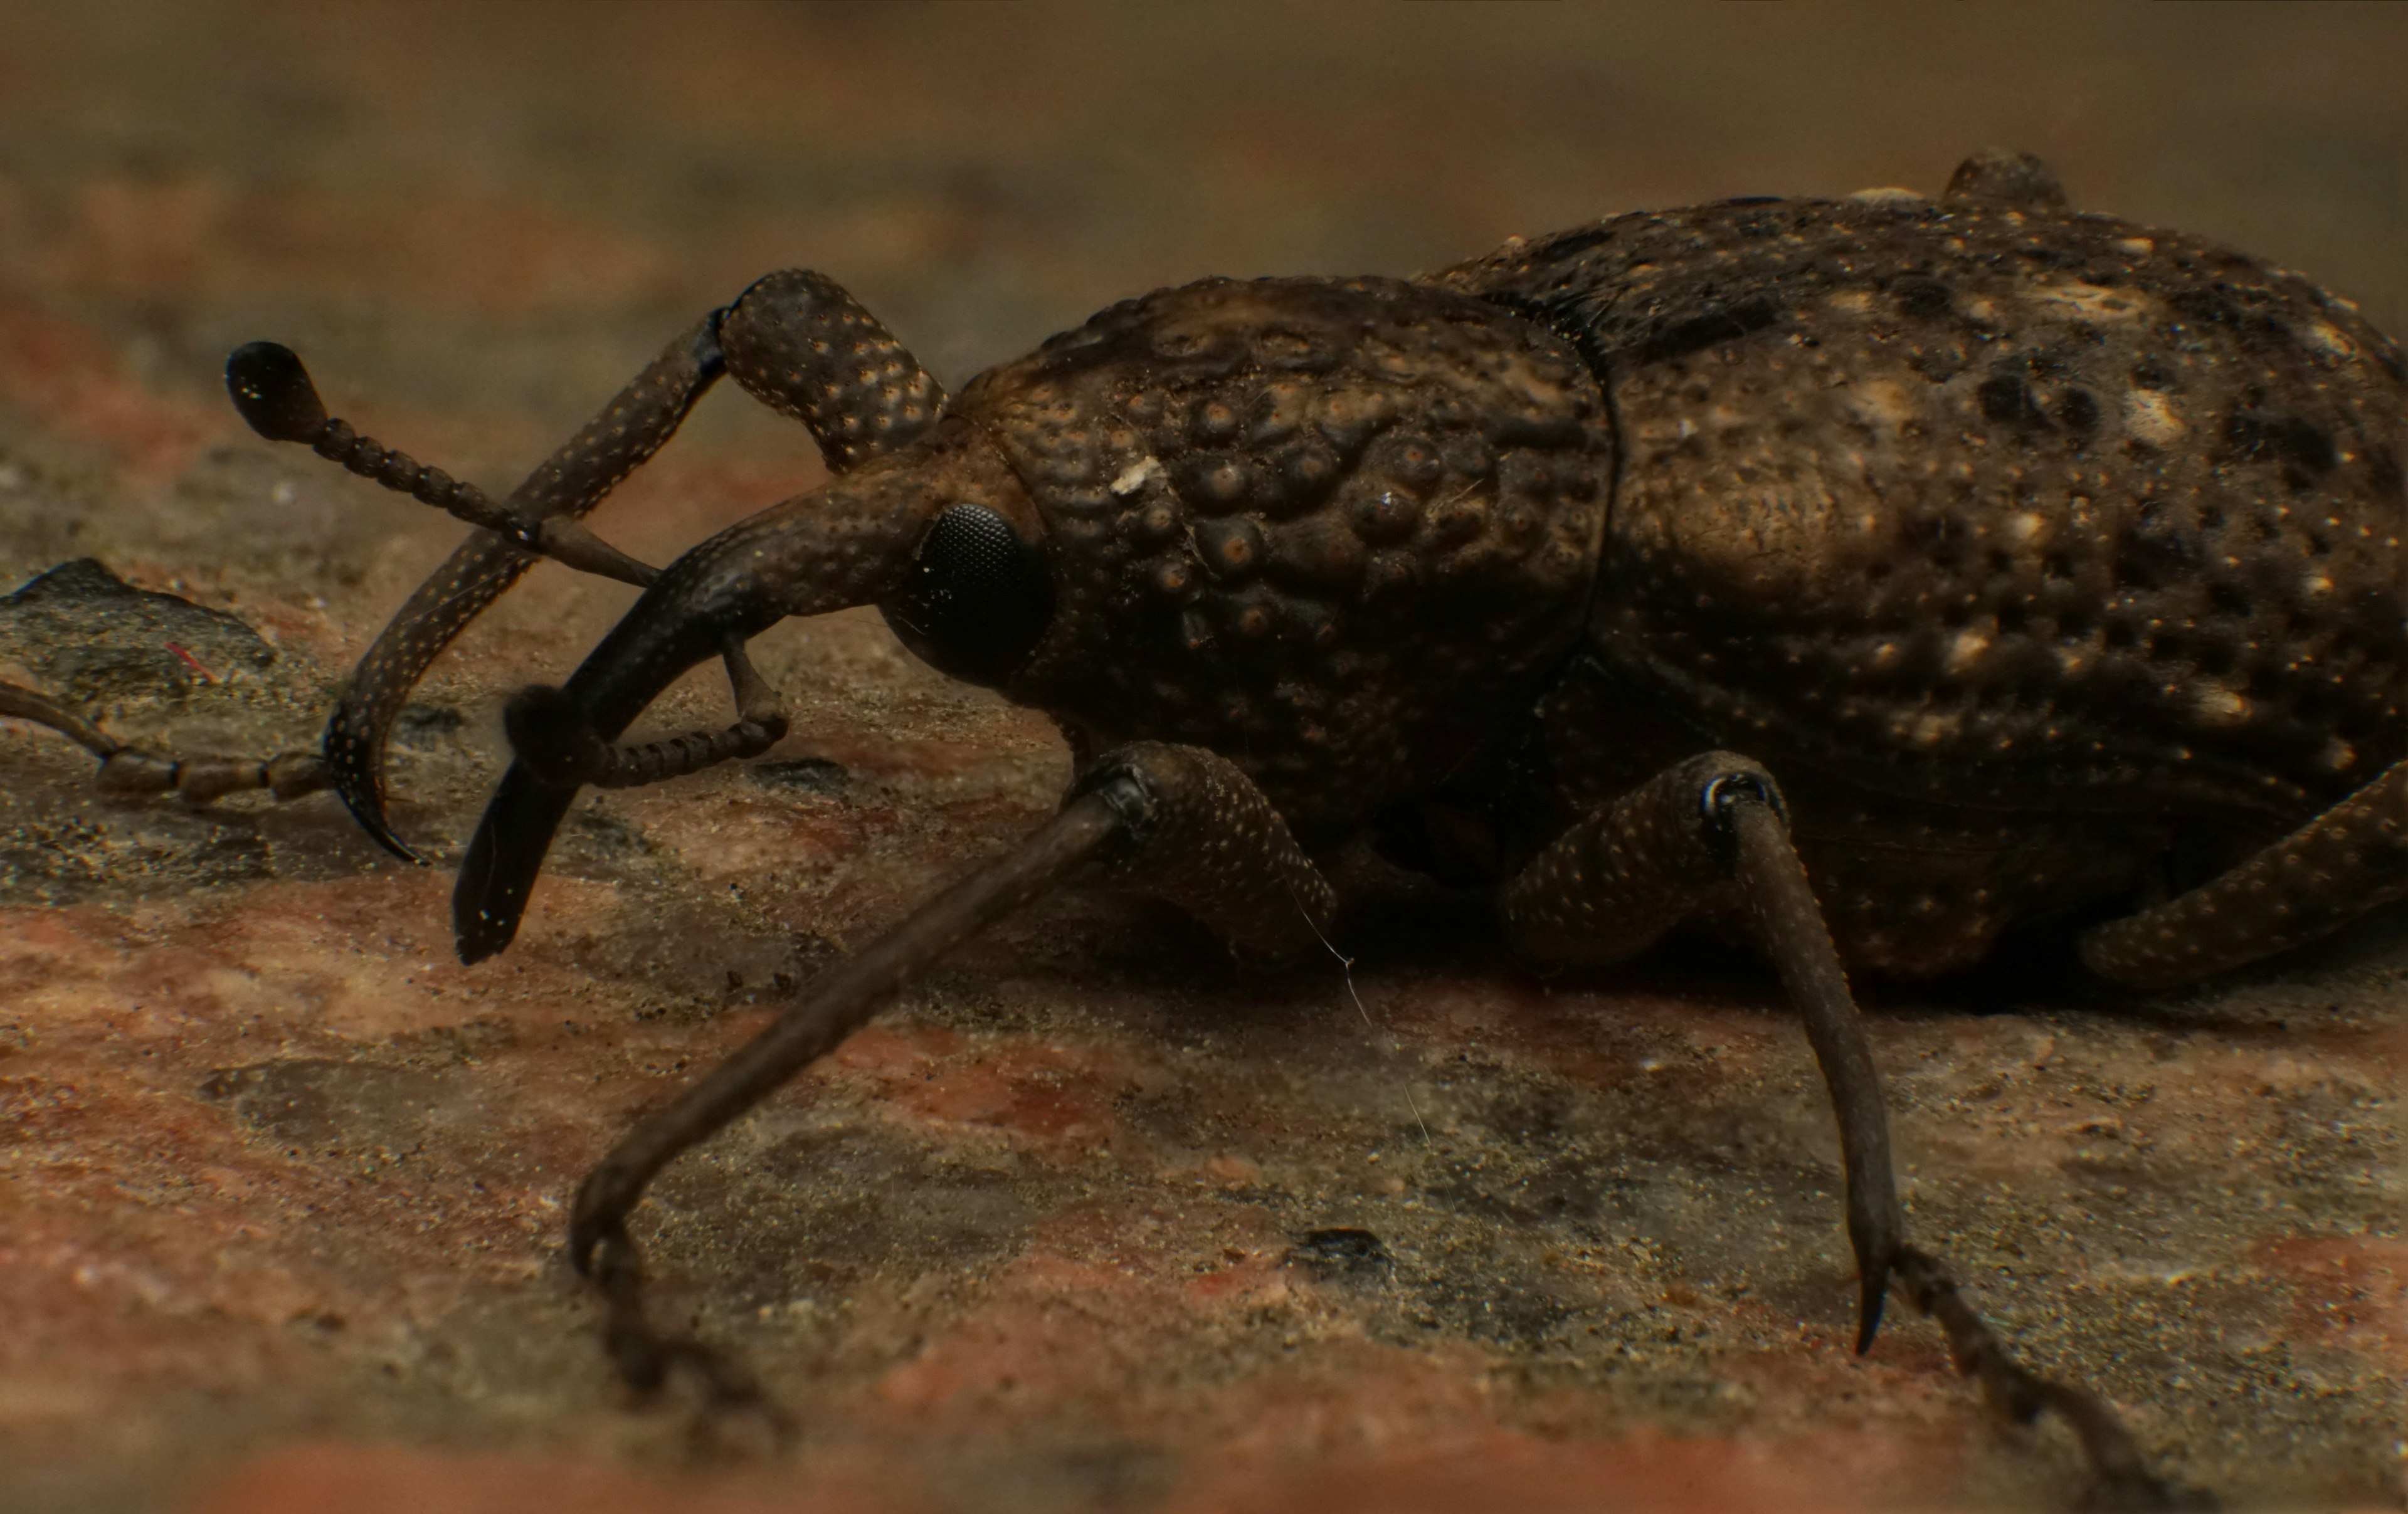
{"x": 941, "y": 533}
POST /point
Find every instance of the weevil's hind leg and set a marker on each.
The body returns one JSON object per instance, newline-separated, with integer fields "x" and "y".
{"x": 1704, "y": 833}
{"x": 1174, "y": 822}
{"x": 1709, "y": 834}
{"x": 2349, "y": 860}
{"x": 795, "y": 340}
{"x": 130, "y": 770}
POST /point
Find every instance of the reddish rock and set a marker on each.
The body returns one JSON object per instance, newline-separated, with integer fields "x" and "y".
{"x": 1093, "y": 1219}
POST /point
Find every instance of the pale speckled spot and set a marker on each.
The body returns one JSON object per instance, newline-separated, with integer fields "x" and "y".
{"x": 2028, "y": 528}
{"x": 2139, "y": 247}
{"x": 1966, "y": 649}
{"x": 1880, "y": 404}
{"x": 2329, "y": 338}
{"x": 2089, "y": 302}
{"x": 1932, "y": 730}
{"x": 2220, "y": 706}
{"x": 1887, "y": 194}
{"x": 2149, "y": 416}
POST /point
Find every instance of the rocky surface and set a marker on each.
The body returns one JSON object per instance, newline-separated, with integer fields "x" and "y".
{"x": 1094, "y": 1220}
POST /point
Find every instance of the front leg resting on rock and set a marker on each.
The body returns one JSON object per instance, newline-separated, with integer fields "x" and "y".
{"x": 1175, "y": 821}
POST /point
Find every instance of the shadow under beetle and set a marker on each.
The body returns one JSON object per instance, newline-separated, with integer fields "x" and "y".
{"x": 1863, "y": 577}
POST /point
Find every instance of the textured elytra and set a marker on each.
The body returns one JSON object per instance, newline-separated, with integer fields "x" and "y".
{"x": 2000, "y": 503}
{"x": 1959, "y": 507}
{"x": 1336, "y": 531}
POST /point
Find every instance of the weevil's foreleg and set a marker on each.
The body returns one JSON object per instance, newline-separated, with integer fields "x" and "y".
{"x": 130, "y": 770}
{"x": 636, "y": 423}
{"x": 1175, "y": 821}
{"x": 541, "y": 518}
{"x": 795, "y": 340}
{"x": 802, "y": 346}
{"x": 1710, "y": 834}
{"x": 2351, "y": 859}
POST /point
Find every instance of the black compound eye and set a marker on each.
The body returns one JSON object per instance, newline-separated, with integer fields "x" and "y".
{"x": 975, "y": 598}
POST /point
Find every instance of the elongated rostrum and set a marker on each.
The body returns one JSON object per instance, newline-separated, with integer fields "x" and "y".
{"x": 1863, "y": 578}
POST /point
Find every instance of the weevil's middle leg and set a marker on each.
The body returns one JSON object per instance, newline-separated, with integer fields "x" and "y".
{"x": 2347, "y": 861}
{"x": 1709, "y": 834}
{"x": 1175, "y": 821}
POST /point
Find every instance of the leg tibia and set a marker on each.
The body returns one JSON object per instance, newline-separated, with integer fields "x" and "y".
{"x": 1710, "y": 835}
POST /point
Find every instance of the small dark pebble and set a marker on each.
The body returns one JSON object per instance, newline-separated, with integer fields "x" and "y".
{"x": 811, "y": 774}
{"x": 1340, "y": 1255}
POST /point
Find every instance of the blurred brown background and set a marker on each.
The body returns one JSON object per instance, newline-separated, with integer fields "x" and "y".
{"x": 278, "y": 1182}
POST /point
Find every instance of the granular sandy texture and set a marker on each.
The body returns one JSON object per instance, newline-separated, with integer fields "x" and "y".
{"x": 1093, "y": 1219}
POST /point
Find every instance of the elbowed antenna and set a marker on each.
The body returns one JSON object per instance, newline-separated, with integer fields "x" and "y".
{"x": 844, "y": 545}
{"x": 273, "y": 390}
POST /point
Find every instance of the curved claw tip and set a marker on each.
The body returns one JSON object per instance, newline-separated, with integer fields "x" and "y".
{"x": 346, "y": 752}
{"x": 273, "y": 392}
{"x": 369, "y": 814}
{"x": 1869, "y": 1309}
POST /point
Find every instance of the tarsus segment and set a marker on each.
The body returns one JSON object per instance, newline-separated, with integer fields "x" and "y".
{"x": 130, "y": 770}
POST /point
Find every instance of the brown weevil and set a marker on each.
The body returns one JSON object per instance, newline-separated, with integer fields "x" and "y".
{"x": 1865, "y": 577}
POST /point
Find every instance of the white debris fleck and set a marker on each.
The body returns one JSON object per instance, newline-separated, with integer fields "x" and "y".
{"x": 1135, "y": 476}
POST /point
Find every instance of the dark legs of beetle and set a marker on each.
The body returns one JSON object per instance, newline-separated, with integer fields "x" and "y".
{"x": 633, "y": 426}
{"x": 2120, "y": 1476}
{"x": 1708, "y": 833}
{"x": 795, "y": 340}
{"x": 129, "y": 770}
{"x": 1171, "y": 820}
{"x": 1708, "y": 836}
{"x": 560, "y": 748}
{"x": 2339, "y": 866}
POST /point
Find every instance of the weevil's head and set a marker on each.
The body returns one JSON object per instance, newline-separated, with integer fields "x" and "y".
{"x": 1336, "y": 531}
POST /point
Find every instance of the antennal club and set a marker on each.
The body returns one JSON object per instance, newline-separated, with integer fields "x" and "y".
{"x": 274, "y": 392}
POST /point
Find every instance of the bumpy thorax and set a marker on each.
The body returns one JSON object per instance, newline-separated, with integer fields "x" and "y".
{"x": 1336, "y": 531}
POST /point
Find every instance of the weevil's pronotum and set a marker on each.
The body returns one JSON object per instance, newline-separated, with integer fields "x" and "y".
{"x": 1867, "y": 578}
